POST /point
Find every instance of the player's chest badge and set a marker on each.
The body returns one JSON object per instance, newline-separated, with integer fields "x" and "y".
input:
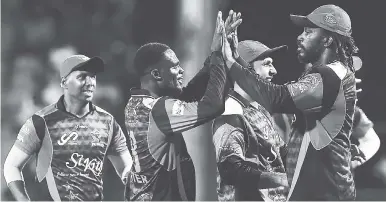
{"x": 99, "y": 138}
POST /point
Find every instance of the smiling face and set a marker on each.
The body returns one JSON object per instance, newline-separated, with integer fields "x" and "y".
{"x": 264, "y": 68}
{"x": 80, "y": 85}
{"x": 171, "y": 73}
{"x": 310, "y": 44}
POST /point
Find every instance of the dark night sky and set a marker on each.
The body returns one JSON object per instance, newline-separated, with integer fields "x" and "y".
{"x": 269, "y": 23}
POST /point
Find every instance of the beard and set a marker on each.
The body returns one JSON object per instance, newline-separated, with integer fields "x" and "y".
{"x": 310, "y": 54}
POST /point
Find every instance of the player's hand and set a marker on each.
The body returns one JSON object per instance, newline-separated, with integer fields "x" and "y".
{"x": 125, "y": 177}
{"x": 227, "y": 51}
{"x": 218, "y": 34}
{"x": 358, "y": 81}
{"x": 272, "y": 180}
{"x": 234, "y": 41}
{"x": 232, "y": 22}
{"x": 357, "y": 156}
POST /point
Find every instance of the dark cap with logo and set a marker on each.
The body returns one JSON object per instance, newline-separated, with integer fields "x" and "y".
{"x": 329, "y": 17}
{"x": 253, "y": 50}
{"x": 81, "y": 63}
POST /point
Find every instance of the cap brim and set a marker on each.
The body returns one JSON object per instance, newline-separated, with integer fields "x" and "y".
{"x": 301, "y": 21}
{"x": 272, "y": 52}
{"x": 95, "y": 65}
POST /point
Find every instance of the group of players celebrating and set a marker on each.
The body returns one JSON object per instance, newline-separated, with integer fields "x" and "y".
{"x": 72, "y": 137}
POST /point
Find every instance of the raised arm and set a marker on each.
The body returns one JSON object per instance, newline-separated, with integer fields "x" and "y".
{"x": 174, "y": 116}
{"x": 270, "y": 96}
{"x": 304, "y": 95}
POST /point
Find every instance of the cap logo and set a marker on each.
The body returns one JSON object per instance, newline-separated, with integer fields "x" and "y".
{"x": 330, "y": 19}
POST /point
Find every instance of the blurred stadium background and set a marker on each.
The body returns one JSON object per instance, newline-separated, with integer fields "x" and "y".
{"x": 37, "y": 35}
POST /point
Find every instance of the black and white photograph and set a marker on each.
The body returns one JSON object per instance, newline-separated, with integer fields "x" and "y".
{"x": 193, "y": 100}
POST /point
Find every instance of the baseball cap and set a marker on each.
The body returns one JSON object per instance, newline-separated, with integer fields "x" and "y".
{"x": 81, "y": 62}
{"x": 329, "y": 17}
{"x": 253, "y": 50}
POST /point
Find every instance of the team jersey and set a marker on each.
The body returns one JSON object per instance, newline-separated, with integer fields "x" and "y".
{"x": 253, "y": 139}
{"x": 71, "y": 150}
{"x": 162, "y": 168}
{"x": 319, "y": 147}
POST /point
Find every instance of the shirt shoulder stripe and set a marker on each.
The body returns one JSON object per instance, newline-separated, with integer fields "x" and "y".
{"x": 47, "y": 110}
{"x": 39, "y": 125}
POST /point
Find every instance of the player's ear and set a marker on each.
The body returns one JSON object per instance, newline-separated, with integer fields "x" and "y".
{"x": 155, "y": 73}
{"x": 63, "y": 82}
{"x": 328, "y": 41}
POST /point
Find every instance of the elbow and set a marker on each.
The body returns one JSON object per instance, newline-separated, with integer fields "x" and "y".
{"x": 9, "y": 171}
{"x": 218, "y": 107}
{"x": 212, "y": 108}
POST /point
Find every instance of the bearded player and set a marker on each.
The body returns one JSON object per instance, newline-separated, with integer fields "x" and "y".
{"x": 324, "y": 102}
{"x": 364, "y": 140}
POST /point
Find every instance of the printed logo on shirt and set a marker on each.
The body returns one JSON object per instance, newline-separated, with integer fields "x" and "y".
{"x": 68, "y": 187}
{"x": 24, "y": 131}
{"x": 140, "y": 179}
{"x": 71, "y": 196}
{"x": 178, "y": 108}
{"x": 97, "y": 139}
{"x": 79, "y": 126}
{"x": 93, "y": 165}
{"x": 308, "y": 83}
{"x": 66, "y": 137}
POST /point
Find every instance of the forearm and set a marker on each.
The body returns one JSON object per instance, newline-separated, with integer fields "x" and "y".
{"x": 242, "y": 62}
{"x": 122, "y": 163}
{"x": 275, "y": 98}
{"x": 195, "y": 89}
{"x": 238, "y": 172}
{"x": 14, "y": 179}
{"x": 214, "y": 94}
{"x": 18, "y": 190}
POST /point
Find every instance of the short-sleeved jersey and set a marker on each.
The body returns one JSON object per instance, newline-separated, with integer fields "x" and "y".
{"x": 162, "y": 168}
{"x": 71, "y": 150}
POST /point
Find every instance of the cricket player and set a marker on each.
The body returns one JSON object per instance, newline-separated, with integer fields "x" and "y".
{"x": 155, "y": 119}
{"x": 324, "y": 99}
{"x": 249, "y": 150}
{"x": 71, "y": 139}
{"x": 364, "y": 140}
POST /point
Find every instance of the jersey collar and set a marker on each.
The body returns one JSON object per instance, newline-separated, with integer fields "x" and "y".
{"x": 140, "y": 92}
{"x": 60, "y": 105}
